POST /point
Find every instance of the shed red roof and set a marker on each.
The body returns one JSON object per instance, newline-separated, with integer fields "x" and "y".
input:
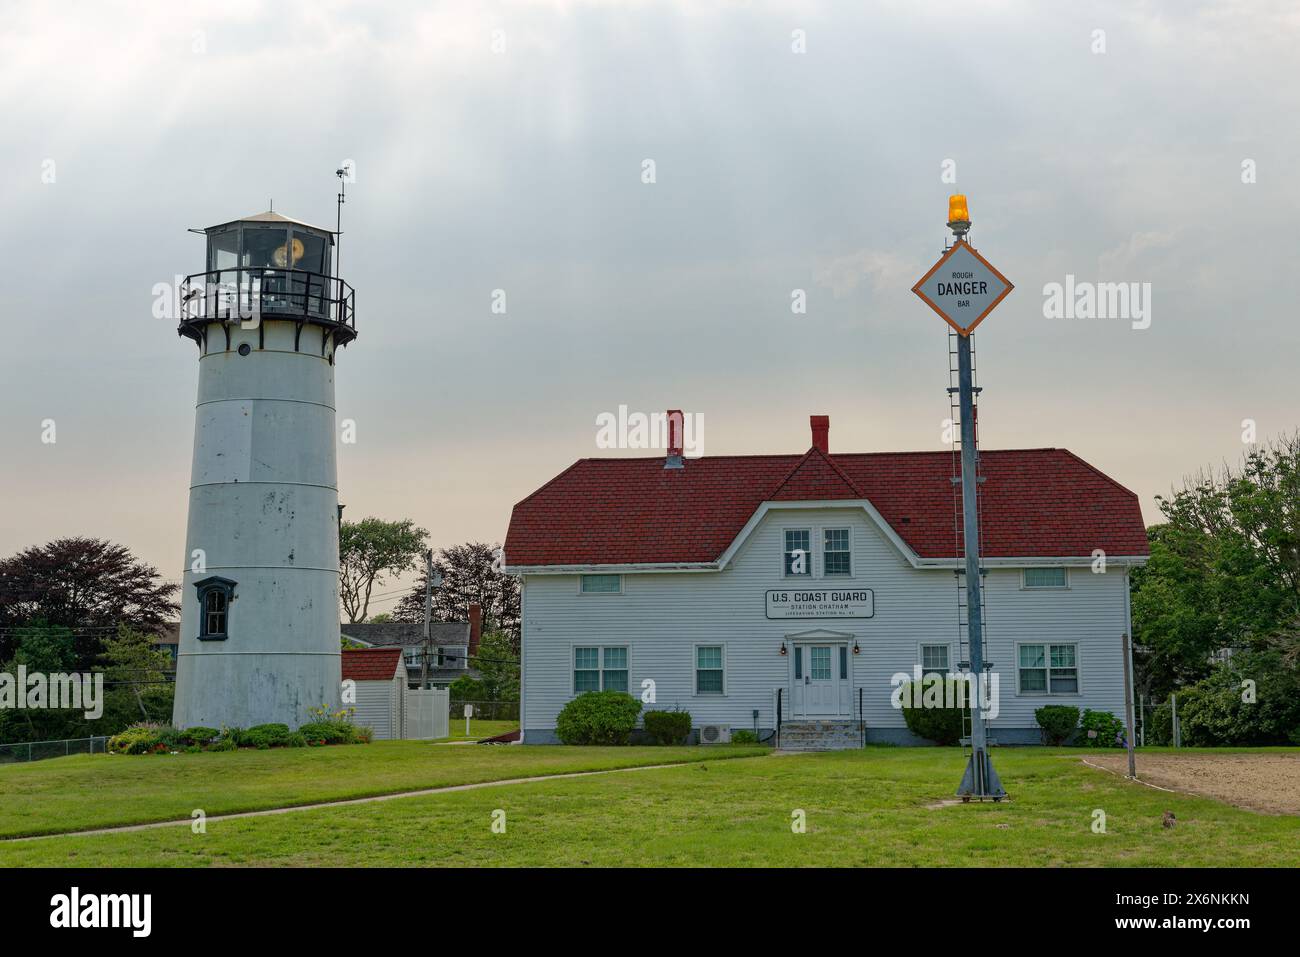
{"x": 371, "y": 664}
{"x": 1034, "y": 503}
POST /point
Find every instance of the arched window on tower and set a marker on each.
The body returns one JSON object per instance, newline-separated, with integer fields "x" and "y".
{"x": 215, "y": 595}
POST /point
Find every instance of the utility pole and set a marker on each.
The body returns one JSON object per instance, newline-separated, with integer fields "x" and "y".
{"x": 428, "y": 616}
{"x": 1128, "y": 709}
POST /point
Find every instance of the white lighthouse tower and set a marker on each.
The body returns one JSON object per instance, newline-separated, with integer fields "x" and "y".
{"x": 259, "y": 637}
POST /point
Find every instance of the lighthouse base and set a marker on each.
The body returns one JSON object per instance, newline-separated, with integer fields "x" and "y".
{"x": 215, "y": 690}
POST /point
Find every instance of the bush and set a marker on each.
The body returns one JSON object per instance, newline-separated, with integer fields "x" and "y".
{"x": 1211, "y": 713}
{"x": 198, "y": 735}
{"x": 263, "y": 736}
{"x": 928, "y": 717}
{"x": 744, "y": 736}
{"x": 145, "y": 738}
{"x": 668, "y": 727}
{"x": 1109, "y": 730}
{"x": 598, "y": 717}
{"x": 329, "y": 732}
{"x": 1058, "y": 721}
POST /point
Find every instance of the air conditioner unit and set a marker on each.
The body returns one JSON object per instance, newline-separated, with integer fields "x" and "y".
{"x": 715, "y": 734}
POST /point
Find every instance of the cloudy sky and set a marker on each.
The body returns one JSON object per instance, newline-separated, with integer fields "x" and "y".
{"x": 502, "y": 146}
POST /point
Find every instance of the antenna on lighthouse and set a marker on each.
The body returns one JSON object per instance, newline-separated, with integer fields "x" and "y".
{"x": 342, "y": 174}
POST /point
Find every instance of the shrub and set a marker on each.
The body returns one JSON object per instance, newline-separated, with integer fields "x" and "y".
{"x": 743, "y": 736}
{"x": 263, "y": 736}
{"x": 927, "y": 716}
{"x": 668, "y": 727}
{"x": 144, "y": 738}
{"x": 1109, "y": 730}
{"x": 1211, "y": 713}
{"x": 198, "y": 735}
{"x": 598, "y": 717}
{"x": 330, "y": 732}
{"x": 1058, "y": 721}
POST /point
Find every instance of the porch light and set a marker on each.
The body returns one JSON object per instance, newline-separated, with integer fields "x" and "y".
{"x": 783, "y": 647}
{"x": 856, "y": 649}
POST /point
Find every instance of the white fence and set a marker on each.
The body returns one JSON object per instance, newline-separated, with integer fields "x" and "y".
{"x": 427, "y": 714}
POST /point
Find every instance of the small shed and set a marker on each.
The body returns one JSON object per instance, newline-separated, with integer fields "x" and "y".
{"x": 380, "y": 678}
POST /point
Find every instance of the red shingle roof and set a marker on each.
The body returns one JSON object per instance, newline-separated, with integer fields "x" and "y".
{"x": 370, "y": 664}
{"x": 1044, "y": 503}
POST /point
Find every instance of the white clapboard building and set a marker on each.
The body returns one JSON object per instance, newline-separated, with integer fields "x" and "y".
{"x": 754, "y": 590}
{"x": 379, "y": 678}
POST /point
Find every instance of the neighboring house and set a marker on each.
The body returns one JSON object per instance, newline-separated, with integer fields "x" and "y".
{"x": 452, "y": 644}
{"x": 380, "y": 689}
{"x": 168, "y": 639}
{"x": 743, "y": 584}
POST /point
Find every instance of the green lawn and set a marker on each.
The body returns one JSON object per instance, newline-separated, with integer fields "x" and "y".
{"x": 103, "y": 790}
{"x": 478, "y": 729}
{"x": 869, "y": 807}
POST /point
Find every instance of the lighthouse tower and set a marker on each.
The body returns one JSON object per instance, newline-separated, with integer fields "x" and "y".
{"x": 259, "y": 637}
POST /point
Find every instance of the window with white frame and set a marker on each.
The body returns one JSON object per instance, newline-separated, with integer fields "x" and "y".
{"x": 709, "y": 677}
{"x": 835, "y": 552}
{"x": 601, "y": 584}
{"x": 934, "y": 660}
{"x": 599, "y": 668}
{"x": 798, "y": 559}
{"x": 1044, "y": 578}
{"x": 1049, "y": 669}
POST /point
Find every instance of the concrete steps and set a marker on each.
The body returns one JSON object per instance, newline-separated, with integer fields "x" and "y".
{"x": 820, "y": 734}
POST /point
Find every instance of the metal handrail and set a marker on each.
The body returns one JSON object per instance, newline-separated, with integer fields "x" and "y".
{"x": 315, "y": 297}
{"x": 778, "y": 716}
{"x": 862, "y": 725}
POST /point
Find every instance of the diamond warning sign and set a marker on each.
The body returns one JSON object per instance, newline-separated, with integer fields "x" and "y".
{"x": 963, "y": 287}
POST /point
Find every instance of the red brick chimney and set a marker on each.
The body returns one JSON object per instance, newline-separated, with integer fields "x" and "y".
{"x": 821, "y": 429}
{"x": 475, "y": 627}
{"x": 676, "y": 440}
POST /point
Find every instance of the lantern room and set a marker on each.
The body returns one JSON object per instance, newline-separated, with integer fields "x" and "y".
{"x": 270, "y": 241}
{"x": 272, "y": 267}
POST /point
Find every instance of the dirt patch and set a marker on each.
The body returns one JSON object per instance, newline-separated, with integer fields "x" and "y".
{"x": 1259, "y": 782}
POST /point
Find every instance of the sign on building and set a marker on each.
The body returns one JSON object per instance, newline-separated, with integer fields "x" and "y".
{"x": 821, "y": 603}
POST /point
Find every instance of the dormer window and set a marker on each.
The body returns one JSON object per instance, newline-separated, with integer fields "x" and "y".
{"x": 215, "y": 595}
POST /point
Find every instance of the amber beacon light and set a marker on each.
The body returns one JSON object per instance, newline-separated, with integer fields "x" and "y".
{"x": 958, "y": 215}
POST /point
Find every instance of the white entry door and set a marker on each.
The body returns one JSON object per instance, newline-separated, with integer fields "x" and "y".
{"x": 819, "y": 685}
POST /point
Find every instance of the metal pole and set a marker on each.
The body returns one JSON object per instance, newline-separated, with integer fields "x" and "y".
{"x": 1128, "y": 711}
{"x": 428, "y": 615}
{"x": 1178, "y": 738}
{"x": 1143, "y": 707}
{"x": 980, "y": 780}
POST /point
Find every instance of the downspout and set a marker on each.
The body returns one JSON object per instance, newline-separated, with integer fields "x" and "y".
{"x": 523, "y": 625}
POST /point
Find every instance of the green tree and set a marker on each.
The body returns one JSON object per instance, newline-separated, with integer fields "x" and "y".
{"x": 497, "y": 662}
{"x": 1224, "y": 571}
{"x": 471, "y": 574}
{"x": 85, "y": 584}
{"x": 370, "y": 550}
{"x": 135, "y": 667}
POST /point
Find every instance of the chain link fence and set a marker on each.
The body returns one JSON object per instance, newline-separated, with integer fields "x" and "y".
{"x": 486, "y": 710}
{"x": 22, "y": 751}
